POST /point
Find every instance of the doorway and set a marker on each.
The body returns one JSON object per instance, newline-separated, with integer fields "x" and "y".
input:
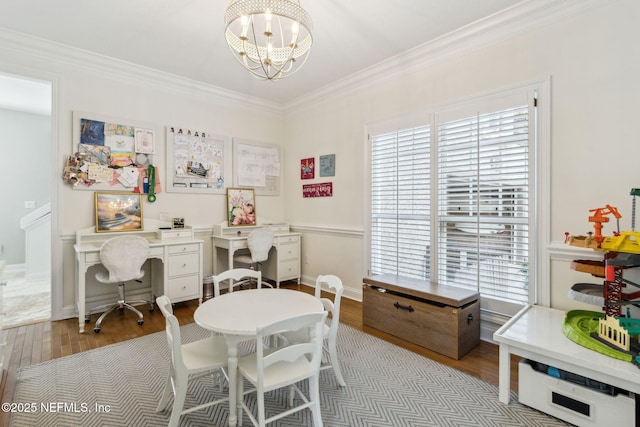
{"x": 25, "y": 235}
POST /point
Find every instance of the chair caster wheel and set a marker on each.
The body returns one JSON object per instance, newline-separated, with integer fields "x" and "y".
{"x": 140, "y": 322}
{"x": 152, "y": 309}
{"x": 87, "y": 320}
{"x": 96, "y": 330}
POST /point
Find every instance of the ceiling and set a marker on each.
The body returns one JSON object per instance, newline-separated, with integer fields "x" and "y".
{"x": 185, "y": 37}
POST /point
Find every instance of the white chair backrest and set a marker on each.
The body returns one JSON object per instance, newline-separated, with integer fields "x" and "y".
{"x": 174, "y": 338}
{"x": 260, "y": 242}
{"x": 123, "y": 257}
{"x": 235, "y": 275}
{"x": 334, "y": 284}
{"x": 312, "y": 346}
{"x": 165, "y": 305}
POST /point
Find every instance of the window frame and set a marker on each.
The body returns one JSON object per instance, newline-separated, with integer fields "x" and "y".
{"x": 539, "y": 191}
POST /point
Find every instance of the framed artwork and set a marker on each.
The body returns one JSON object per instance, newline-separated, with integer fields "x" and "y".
{"x": 328, "y": 165}
{"x": 307, "y": 168}
{"x": 241, "y": 206}
{"x": 117, "y": 211}
{"x": 256, "y": 165}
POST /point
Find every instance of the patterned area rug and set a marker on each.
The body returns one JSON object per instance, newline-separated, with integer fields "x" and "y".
{"x": 119, "y": 385}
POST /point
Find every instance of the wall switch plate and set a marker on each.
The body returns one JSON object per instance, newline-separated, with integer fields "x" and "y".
{"x": 30, "y": 204}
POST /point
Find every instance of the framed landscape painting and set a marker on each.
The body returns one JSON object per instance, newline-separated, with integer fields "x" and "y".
{"x": 116, "y": 211}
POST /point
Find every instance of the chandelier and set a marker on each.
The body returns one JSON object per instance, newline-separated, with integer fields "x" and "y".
{"x": 270, "y": 38}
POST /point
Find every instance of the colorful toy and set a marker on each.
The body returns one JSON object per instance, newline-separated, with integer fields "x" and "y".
{"x": 609, "y": 333}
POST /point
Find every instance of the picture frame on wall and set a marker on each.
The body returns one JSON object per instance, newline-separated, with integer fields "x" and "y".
{"x": 307, "y": 168}
{"x": 328, "y": 165}
{"x": 118, "y": 212}
{"x": 241, "y": 207}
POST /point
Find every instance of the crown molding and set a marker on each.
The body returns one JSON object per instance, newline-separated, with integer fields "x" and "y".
{"x": 49, "y": 52}
{"x": 500, "y": 26}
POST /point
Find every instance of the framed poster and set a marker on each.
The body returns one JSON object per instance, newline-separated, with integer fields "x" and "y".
{"x": 327, "y": 165}
{"x": 241, "y": 207}
{"x": 118, "y": 212}
{"x": 197, "y": 161}
{"x": 256, "y": 165}
{"x": 307, "y": 168}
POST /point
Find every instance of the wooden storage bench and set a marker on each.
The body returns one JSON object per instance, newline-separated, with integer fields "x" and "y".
{"x": 444, "y": 319}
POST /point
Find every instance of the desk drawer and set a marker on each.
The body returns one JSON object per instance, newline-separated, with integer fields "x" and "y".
{"x": 178, "y": 249}
{"x": 92, "y": 257}
{"x": 289, "y": 269}
{"x": 183, "y": 264}
{"x": 183, "y": 288}
{"x": 283, "y": 240}
{"x": 239, "y": 244}
{"x": 157, "y": 252}
{"x": 289, "y": 250}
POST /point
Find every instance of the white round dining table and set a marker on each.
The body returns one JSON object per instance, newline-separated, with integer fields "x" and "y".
{"x": 237, "y": 315}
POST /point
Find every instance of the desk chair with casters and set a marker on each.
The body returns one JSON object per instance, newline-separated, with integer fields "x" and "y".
{"x": 189, "y": 361}
{"x": 259, "y": 242}
{"x": 330, "y": 330}
{"x": 273, "y": 368}
{"x": 123, "y": 257}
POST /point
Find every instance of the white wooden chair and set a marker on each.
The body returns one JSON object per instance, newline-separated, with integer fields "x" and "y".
{"x": 123, "y": 257}
{"x": 188, "y": 361}
{"x": 273, "y": 368}
{"x": 236, "y": 277}
{"x": 259, "y": 242}
{"x": 330, "y": 331}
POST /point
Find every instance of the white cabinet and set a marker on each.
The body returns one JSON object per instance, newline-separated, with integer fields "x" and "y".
{"x": 284, "y": 259}
{"x": 182, "y": 271}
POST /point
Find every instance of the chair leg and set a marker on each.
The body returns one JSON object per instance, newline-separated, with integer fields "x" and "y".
{"x": 166, "y": 393}
{"x": 333, "y": 356}
{"x": 103, "y": 315}
{"x": 292, "y": 392}
{"x": 261, "y": 414}
{"x": 178, "y": 403}
{"x": 135, "y": 310}
{"x": 314, "y": 394}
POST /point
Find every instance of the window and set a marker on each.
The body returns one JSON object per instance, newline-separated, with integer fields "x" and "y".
{"x": 400, "y": 208}
{"x": 455, "y": 205}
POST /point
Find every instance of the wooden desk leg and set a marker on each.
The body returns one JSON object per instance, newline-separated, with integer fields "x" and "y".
{"x": 504, "y": 374}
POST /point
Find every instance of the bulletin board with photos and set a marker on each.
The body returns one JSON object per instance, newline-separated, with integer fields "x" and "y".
{"x": 111, "y": 153}
{"x": 198, "y": 161}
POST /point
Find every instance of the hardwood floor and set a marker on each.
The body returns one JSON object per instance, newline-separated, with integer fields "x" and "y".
{"x": 39, "y": 342}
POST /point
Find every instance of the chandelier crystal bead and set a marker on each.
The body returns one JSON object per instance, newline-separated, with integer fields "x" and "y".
{"x": 270, "y": 38}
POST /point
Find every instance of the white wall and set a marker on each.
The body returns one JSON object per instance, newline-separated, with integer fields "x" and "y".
{"x": 25, "y": 151}
{"x": 591, "y": 56}
{"x": 592, "y": 59}
{"x": 95, "y": 85}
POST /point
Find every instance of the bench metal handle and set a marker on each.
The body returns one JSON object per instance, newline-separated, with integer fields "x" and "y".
{"x": 403, "y": 307}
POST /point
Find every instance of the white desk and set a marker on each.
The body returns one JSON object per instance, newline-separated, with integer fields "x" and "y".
{"x": 284, "y": 259}
{"x": 237, "y": 315}
{"x": 176, "y": 271}
{"x": 535, "y": 333}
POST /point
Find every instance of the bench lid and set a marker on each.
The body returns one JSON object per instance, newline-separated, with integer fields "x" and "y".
{"x": 449, "y": 295}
